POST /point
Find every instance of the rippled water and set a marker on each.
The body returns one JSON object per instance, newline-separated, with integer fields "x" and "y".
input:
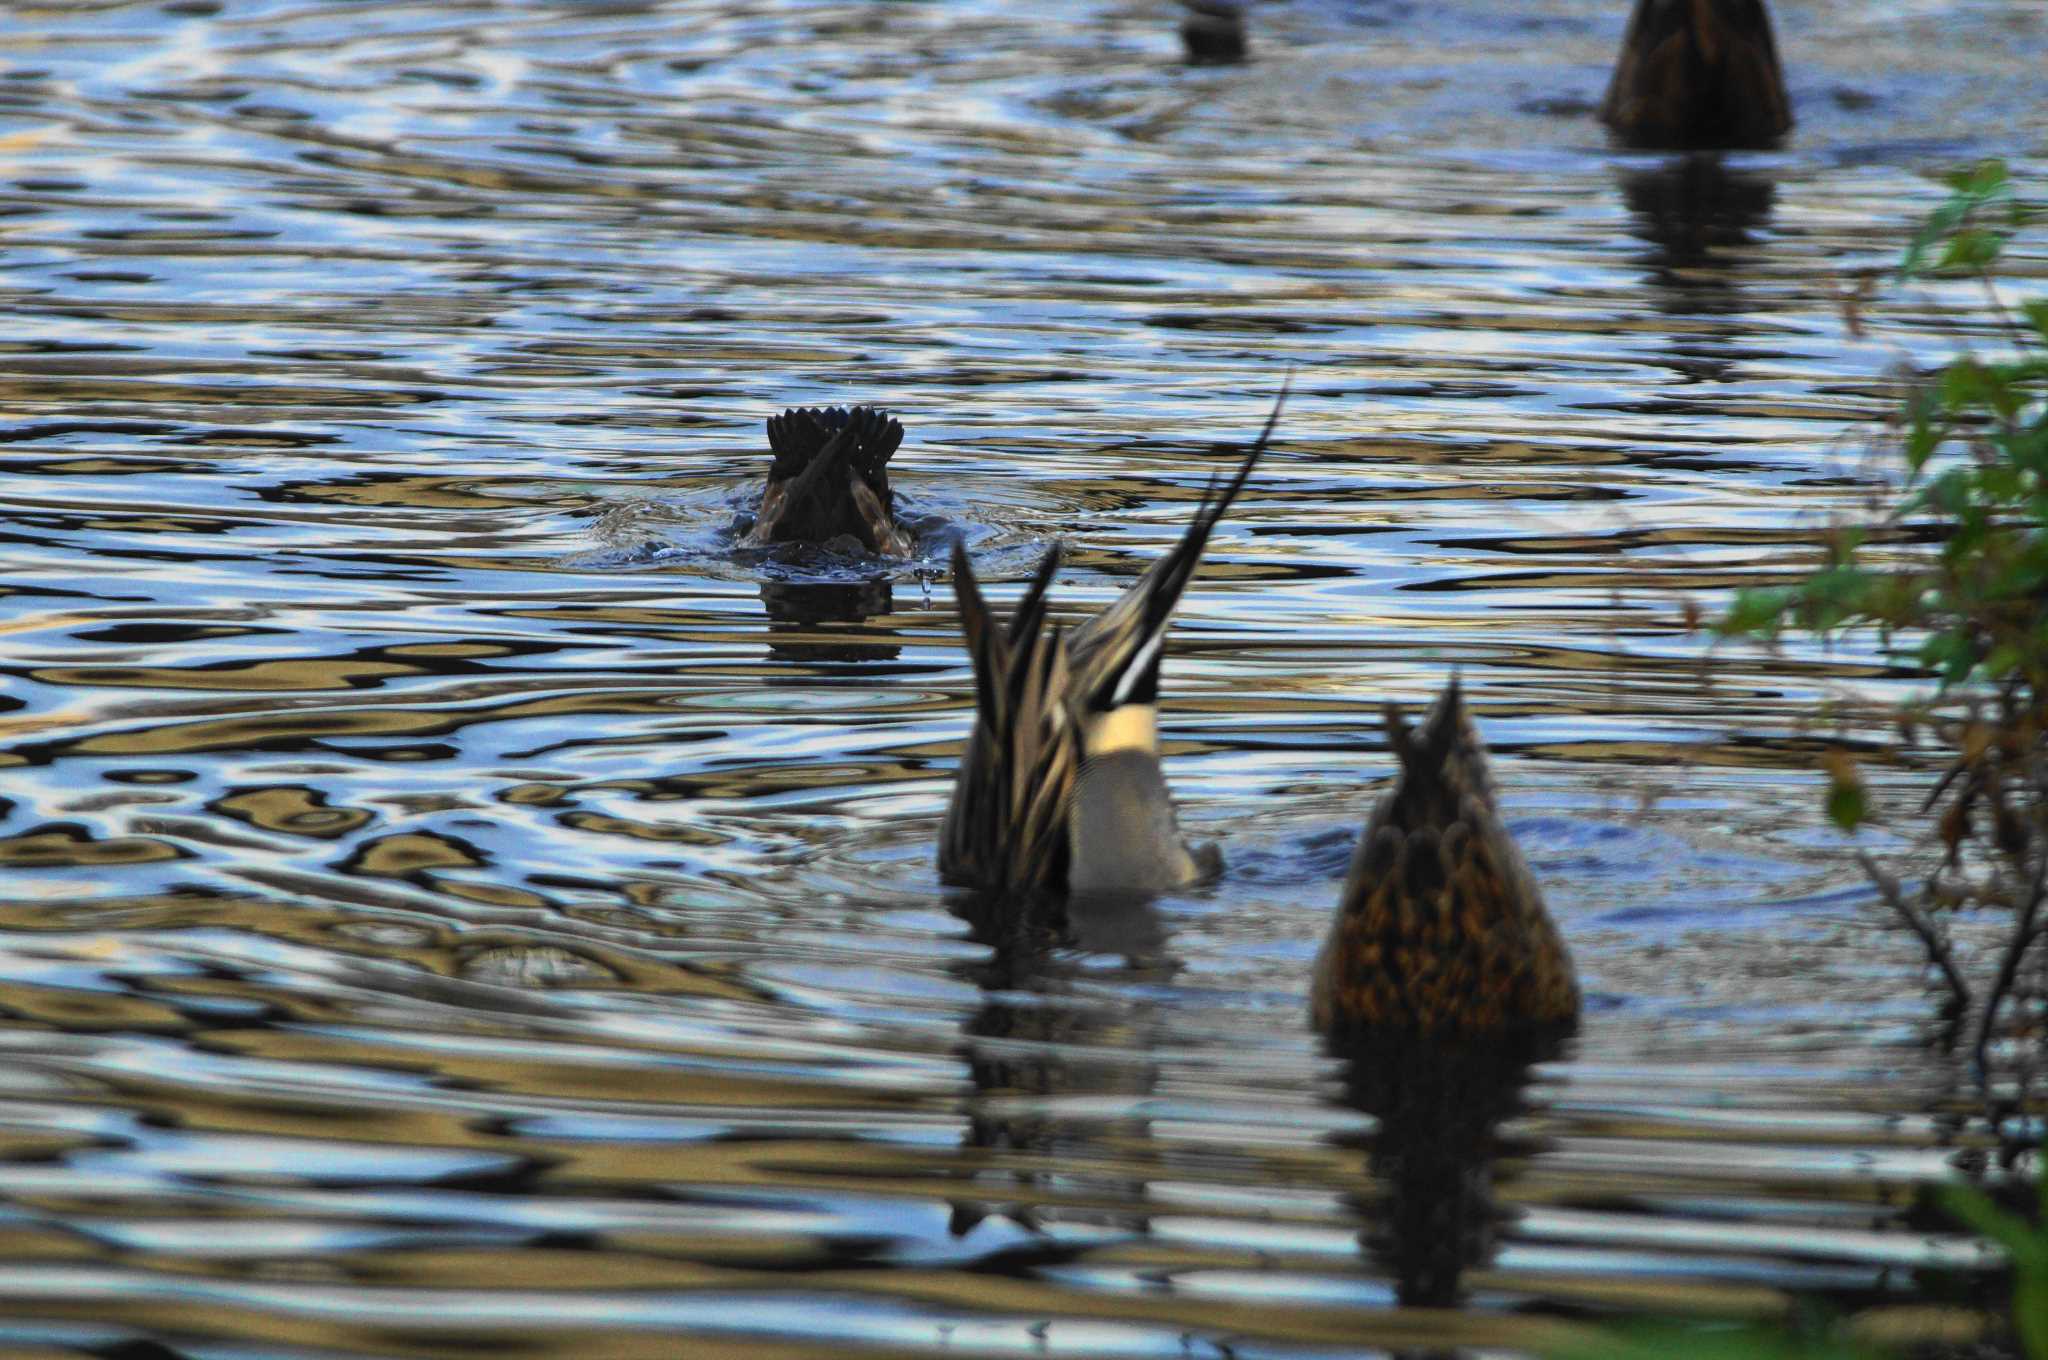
{"x": 452, "y": 901}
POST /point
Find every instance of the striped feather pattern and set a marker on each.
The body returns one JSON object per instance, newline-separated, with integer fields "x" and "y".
{"x": 1007, "y": 825}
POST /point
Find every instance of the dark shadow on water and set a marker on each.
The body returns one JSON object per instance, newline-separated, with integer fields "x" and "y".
{"x": 1706, "y": 229}
{"x": 1052, "y": 1028}
{"x": 798, "y": 610}
{"x": 1700, "y": 219}
{"x": 1435, "y": 1160}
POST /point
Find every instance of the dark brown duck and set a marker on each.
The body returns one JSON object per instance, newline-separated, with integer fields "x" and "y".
{"x": 1213, "y": 32}
{"x": 830, "y": 479}
{"x": 1441, "y": 930}
{"x": 1698, "y": 74}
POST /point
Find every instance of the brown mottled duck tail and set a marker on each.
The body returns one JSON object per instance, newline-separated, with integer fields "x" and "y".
{"x": 1441, "y": 928}
{"x": 1698, "y": 74}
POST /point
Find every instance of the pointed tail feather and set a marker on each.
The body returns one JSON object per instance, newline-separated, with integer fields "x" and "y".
{"x": 878, "y": 444}
{"x": 818, "y": 477}
{"x": 794, "y": 438}
{"x": 987, "y": 650}
{"x": 1005, "y": 826}
{"x": 1029, "y": 616}
{"x": 1117, "y": 653}
{"x": 798, "y": 436}
{"x": 1044, "y": 757}
{"x": 1423, "y": 757}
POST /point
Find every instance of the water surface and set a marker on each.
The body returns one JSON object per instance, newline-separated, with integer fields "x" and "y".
{"x": 452, "y": 901}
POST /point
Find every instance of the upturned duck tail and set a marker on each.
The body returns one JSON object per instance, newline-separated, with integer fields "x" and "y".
{"x": 864, "y": 437}
{"x": 1441, "y": 928}
{"x": 852, "y": 445}
{"x": 1005, "y": 824}
{"x": 1698, "y": 74}
{"x": 830, "y": 477}
{"x": 1117, "y": 653}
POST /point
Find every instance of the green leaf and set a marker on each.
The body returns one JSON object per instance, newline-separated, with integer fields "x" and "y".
{"x": 2026, "y": 448}
{"x": 1969, "y": 252}
{"x": 1980, "y": 181}
{"x": 1951, "y": 655}
{"x": 1756, "y": 612}
{"x": 1970, "y": 191}
{"x": 1950, "y": 493}
{"x": 2025, "y": 1243}
{"x": 1967, "y": 384}
{"x": 1997, "y": 486}
{"x": 1922, "y": 436}
{"x": 2023, "y": 370}
{"x": 1939, "y": 224}
{"x": 2030, "y": 1314}
{"x": 1975, "y": 1210}
{"x": 1848, "y": 804}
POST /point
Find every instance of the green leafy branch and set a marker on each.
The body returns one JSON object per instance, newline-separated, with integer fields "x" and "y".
{"x": 1971, "y": 443}
{"x": 2026, "y": 1246}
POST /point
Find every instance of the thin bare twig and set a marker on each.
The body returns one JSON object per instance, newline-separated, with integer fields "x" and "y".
{"x": 2013, "y": 330}
{"x": 2009, "y": 966}
{"x": 1930, "y": 938}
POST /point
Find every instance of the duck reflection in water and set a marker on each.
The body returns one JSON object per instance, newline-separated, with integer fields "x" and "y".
{"x": 1698, "y": 217}
{"x": 1697, "y": 73}
{"x": 1056, "y": 1024}
{"x": 796, "y": 609}
{"x": 1435, "y": 1157}
{"x": 1061, "y": 821}
{"x": 1441, "y": 981}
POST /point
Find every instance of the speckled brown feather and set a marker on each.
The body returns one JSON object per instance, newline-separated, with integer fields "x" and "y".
{"x": 1441, "y": 928}
{"x": 830, "y": 477}
{"x": 1698, "y": 73}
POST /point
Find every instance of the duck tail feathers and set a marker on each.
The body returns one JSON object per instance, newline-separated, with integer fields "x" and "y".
{"x": 1028, "y": 618}
{"x": 1423, "y": 754}
{"x": 1136, "y": 679}
{"x": 987, "y": 649}
{"x": 807, "y": 441}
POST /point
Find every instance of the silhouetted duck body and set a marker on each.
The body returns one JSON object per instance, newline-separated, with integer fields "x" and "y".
{"x": 1698, "y": 74}
{"x": 1441, "y": 930}
{"x": 1060, "y": 789}
{"x": 1213, "y": 32}
{"x": 830, "y": 480}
